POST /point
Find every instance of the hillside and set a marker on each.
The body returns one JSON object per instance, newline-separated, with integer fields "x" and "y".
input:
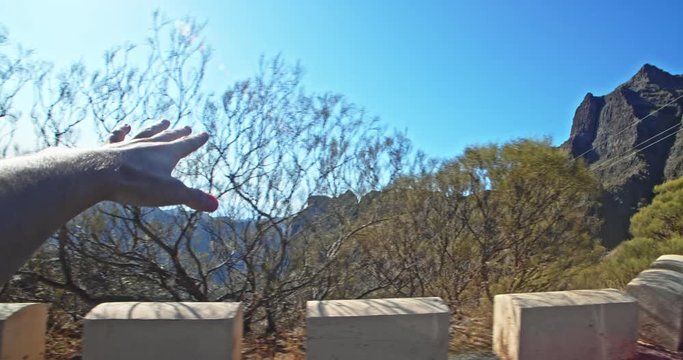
{"x": 630, "y": 156}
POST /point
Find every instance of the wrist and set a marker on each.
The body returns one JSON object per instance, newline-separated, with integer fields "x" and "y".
{"x": 98, "y": 169}
{"x": 87, "y": 175}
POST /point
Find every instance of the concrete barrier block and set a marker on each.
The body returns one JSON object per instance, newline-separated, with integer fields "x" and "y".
{"x": 660, "y": 300}
{"x": 156, "y": 330}
{"x": 579, "y": 324}
{"x": 669, "y": 262}
{"x": 411, "y": 328}
{"x": 22, "y": 331}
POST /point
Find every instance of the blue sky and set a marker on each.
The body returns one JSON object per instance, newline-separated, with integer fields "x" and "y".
{"x": 451, "y": 73}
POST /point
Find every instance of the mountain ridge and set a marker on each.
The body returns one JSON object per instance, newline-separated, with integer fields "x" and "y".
{"x": 630, "y": 138}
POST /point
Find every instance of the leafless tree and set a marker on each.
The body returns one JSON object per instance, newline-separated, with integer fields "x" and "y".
{"x": 285, "y": 164}
{"x": 16, "y": 71}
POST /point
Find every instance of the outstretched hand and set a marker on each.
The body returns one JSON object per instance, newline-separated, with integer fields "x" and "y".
{"x": 142, "y": 167}
{"x": 42, "y": 191}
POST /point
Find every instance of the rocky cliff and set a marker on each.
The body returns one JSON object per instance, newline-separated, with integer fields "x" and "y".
{"x": 631, "y": 156}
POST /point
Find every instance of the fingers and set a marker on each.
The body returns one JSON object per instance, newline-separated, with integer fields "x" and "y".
{"x": 193, "y": 198}
{"x": 153, "y": 130}
{"x": 170, "y": 135}
{"x": 200, "y": 200}
{"x": 119, "y": 134}
{"x": 186, "y": 146}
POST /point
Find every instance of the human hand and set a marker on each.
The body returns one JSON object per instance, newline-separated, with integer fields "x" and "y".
{"x": 141, "y": 167}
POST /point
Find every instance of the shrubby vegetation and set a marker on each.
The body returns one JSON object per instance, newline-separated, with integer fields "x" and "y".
{"x": 318, "y": 201}
{"x": 657, "y": 229}
{"x": 513, "y": 217}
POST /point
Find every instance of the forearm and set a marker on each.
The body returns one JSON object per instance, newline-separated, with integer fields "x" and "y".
{"x": 41, "y": 192}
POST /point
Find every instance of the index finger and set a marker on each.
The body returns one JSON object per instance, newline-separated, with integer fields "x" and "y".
{"x": 154, "y": 129}
{"x": 119, "y": 134}
{"x": 189, "y": 144}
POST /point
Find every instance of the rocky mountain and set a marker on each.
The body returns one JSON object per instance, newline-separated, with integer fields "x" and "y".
{"x": 631, "y": 156}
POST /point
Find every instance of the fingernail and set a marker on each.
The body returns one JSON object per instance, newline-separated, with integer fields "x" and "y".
{"x": 211, "y": 202}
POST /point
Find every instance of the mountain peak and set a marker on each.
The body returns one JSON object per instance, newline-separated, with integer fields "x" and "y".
{"x": 650, "y": 69}
{"x": 650, "y": 74}
{"x": 603, "y": 133}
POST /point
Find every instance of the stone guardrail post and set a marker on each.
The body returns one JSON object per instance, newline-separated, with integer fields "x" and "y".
{"x": 579, "y": 324}
{"x": 411, "y": 328}
{"x": 659, "y": 292}
{"x": 22, "y": 331}
{"x": 669, "y": 262}
{"x": 156, "y": 330}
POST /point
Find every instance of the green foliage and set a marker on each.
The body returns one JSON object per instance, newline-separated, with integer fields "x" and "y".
{"x": 657, "y": 230}
{"x": 623, "y": 263}
{"x": 663, "y": 218}
{"x": 500, "y": 218}
{"x": 532, "y": 224}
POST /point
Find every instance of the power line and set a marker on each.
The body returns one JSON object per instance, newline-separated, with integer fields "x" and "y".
{"x": 657, "y": 134}
{"x": 638, "y": 121}
{"x": 636, "y": 151}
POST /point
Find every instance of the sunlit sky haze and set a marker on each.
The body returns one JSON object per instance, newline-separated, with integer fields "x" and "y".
{"x": 451, "y": 73}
